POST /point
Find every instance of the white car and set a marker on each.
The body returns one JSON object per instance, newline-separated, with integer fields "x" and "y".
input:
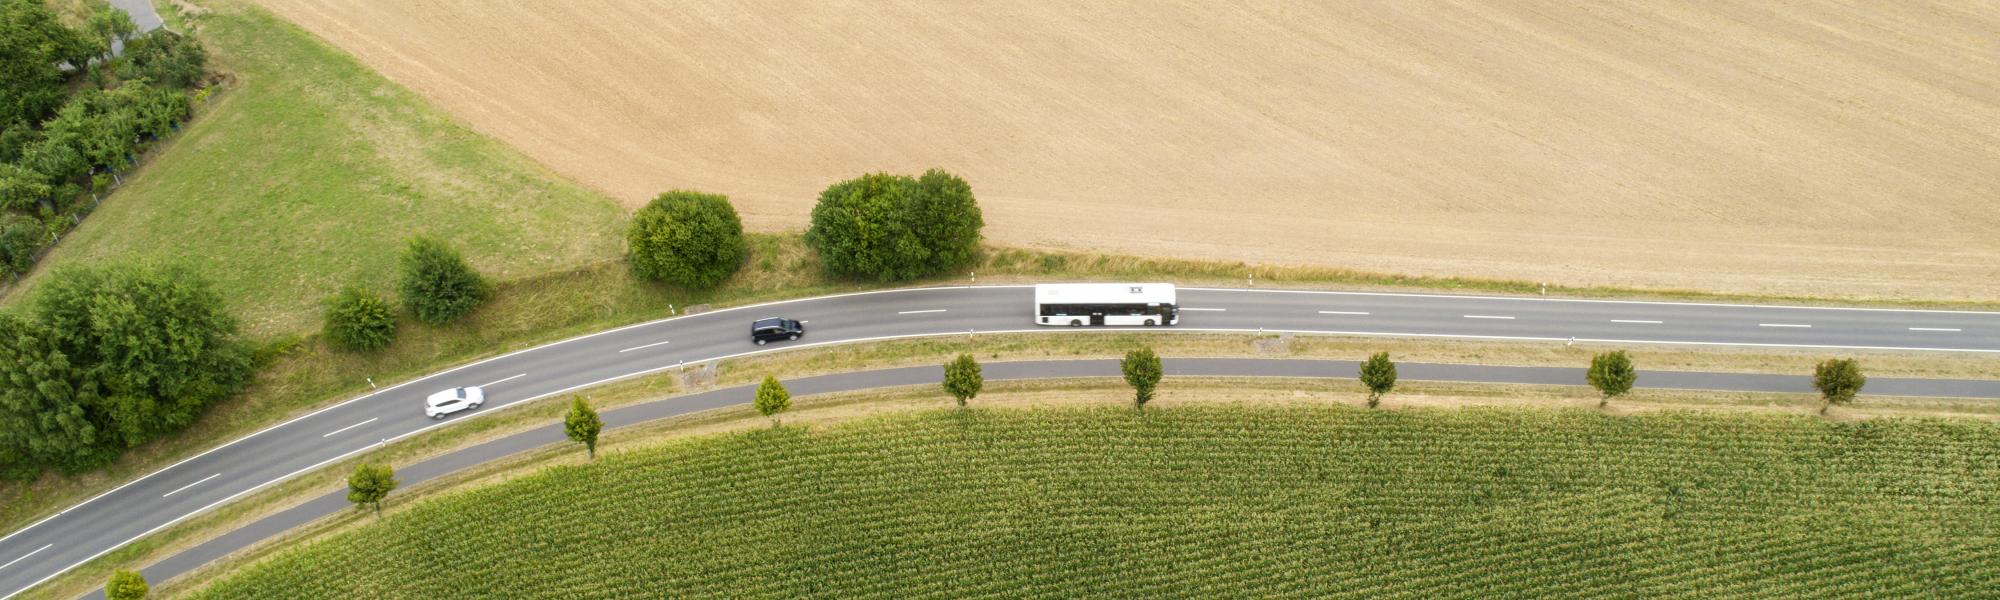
{"x": 453, "y": 400}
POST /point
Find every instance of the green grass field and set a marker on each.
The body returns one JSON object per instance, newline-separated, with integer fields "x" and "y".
{"x": 307, "y": 172}
{"x": 1205, "y": 501}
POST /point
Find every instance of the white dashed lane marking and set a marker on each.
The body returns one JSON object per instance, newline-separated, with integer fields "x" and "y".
{"x": 337, "y": 431}
{"x": 25, "y": 556}
{"x": 1782, "y": 325}
{"x": 1341, "y": 312}
{"x": 1635, "y": 321}
{"x": 642, "y": 347}
{"x": 504, "y": 380}
{"x": 185, "y": 487}
{"x": 1934, "y": 329}
{"x": 1487, "y": 317}
{"x": 919, "y": 312}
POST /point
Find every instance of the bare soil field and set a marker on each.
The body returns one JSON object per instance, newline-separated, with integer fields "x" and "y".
{"x": 1817, "y": 148}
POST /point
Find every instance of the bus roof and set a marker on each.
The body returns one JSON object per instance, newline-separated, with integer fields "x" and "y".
{"x": 1104, "y": 293}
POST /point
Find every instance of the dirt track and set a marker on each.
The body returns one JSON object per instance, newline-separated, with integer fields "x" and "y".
{"x": 1806, "y": 148}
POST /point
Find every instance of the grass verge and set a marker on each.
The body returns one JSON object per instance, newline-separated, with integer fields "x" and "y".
{"x": 1219, "y": 490}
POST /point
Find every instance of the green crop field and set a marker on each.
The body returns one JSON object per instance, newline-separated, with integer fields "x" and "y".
{"x": 1209, "y": 501}
{"x": 308, "y": 170}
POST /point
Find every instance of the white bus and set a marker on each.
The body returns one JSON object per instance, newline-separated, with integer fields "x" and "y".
{"x": 1079, "y": 304}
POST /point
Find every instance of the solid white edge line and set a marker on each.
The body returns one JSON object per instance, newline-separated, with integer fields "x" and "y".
{"x": 1935, "y": 329}
{"x": 1595, "y": 300}
{"x": 1635, "y": 321}
{"x": 915, "y": 312}
{"x": 3, "y": 539}
{"x": 1488, "y": 317}
{"x": 1342, "y": 312}
{"x": 1205, "y": 309}
{"x": 25, "y": 556}
{"x": 337, "y": 431}
{"x": 1799, "y": 325}
{"x": 503, "y": 380}
{"x": 185, "y": 487}
{"x": 323, "y": 463}
{"x": 642, "y": 347}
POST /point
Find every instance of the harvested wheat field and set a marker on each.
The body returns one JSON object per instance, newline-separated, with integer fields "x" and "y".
{"x": 1824, "y": 148}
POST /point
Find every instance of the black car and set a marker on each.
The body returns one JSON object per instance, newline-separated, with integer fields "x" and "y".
{"x": 765, "y": 330}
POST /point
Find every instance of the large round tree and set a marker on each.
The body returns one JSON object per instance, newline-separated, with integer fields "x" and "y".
{"x": 894, "y": 227}
{"x": 687, "y": 237}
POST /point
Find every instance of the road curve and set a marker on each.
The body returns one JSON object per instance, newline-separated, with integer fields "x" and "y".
{"x": 40, "y": 551}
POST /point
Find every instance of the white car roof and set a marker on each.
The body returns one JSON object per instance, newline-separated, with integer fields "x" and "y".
{"x": 450, "y": 394}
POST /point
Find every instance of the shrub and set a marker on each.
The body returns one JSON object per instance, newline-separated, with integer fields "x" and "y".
{"x": 688, "y": 238}
{"x": 359, "y": 319}
{"x": 437, "y": 284}
{"x": 893, "y": 227}
{"x": 126, "y": 585}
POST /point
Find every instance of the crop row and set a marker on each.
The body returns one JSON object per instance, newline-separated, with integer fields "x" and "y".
{"x": 1211, "y": 502}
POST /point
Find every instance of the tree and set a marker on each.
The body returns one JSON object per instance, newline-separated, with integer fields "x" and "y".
{"x": 1612, "y": 374}
{"x": 46, "y": 402}
{"x": 772, "y": 398}
{"x": 1142, "y": 371}
{"x": 109, "y": 24}
{"x": 963, "y": 379}
{"x": 1838, "y": 381}
{"x": 688, "y": 238}
{"x": 167, "y": 59}
{"x": 21, "y": 188}
{"x": 437, "y": 283}
{"x": 33, "y": 46}
{"x": 369, "y": 485}
{"x": 1379, "y": 374}
{"x": 156, "y": 342}
{"x": 946, "y": 219}
{"x": 582, "y": 425}
{"x": 894, "y": 227}
{"x": 20, "y": 237}
{"x": 359, "y": 319}
{"x": 126, "y": 585}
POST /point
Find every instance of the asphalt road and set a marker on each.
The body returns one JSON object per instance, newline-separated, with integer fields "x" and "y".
{"x": 149, "y": 503}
